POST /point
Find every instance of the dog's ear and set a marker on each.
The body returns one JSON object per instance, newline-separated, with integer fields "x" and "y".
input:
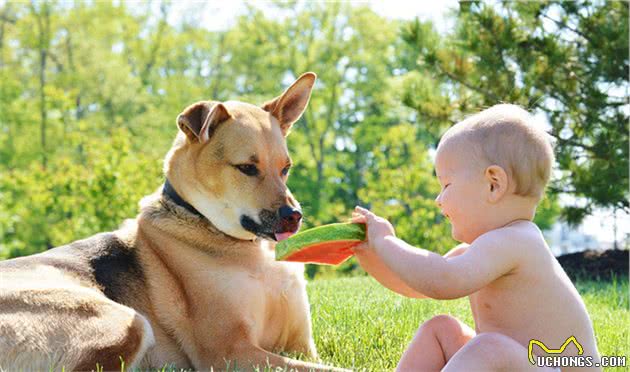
{"x": 199, "y": 120}
{"x": 289, "y": 106}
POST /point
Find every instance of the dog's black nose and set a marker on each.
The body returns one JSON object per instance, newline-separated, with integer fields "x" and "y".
{"x": 290, "y": 214}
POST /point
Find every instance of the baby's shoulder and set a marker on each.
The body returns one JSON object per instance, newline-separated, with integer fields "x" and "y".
{"x": 523, "y": 245}
{"x": 523, "y": 229}
{"x": 520, "y": 236}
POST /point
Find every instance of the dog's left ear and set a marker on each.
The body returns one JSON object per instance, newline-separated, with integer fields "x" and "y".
{"x": 199, "y": 120}
{"x": 289, "y": 106}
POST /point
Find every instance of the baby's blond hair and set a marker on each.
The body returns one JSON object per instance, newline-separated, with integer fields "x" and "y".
{"x": 505, "y": 135}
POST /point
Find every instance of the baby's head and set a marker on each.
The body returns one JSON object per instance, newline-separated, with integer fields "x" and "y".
{"x": 493, "y": 167}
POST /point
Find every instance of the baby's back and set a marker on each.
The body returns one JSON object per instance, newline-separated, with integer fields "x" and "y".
{"x": 536, "y": 301}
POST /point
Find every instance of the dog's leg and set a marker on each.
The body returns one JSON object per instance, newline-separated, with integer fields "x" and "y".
{"x": 301, "y": 341}
{"x": 73, "y": 327}
{"x": 250, "y": 357}
{"x": 301, "y": 334}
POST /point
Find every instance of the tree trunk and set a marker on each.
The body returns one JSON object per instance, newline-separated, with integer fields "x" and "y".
{"x": 615, "y": 244}
{"x": 3, "y": 22}
{"x": 216, "y": 75}
{"x": 43, "y": 23}
{"x": 155, "y": 48}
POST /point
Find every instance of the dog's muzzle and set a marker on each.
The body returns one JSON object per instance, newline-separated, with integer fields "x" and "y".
{"x": 289, "y": 224}
{"x": 275, "y": 226}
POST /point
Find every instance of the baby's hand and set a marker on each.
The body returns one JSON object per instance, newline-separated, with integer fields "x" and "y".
{"x": 378, "y": 228}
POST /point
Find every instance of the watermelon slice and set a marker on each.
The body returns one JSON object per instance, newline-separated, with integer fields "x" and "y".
{"x": 327, "y": 245}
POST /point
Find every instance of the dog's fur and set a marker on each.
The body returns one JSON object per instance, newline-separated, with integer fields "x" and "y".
{"x": 172, "y": 286}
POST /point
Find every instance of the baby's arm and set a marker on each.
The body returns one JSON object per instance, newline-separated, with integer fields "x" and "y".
{"x": 459, "y": 250}
{"x": 374, "y": 266}
{"x": 459, "y": 273}
{"x": 462, "y": 273}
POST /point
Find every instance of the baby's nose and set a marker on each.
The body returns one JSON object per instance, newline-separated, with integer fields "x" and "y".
{"x": 438, "y": 200}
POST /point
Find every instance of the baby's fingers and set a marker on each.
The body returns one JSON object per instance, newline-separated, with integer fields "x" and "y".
{"x": 360, "y": 247}
{"x": 361, "y": 210}
{"x": 358, "y": 219}
{"x": 364, "y": 212}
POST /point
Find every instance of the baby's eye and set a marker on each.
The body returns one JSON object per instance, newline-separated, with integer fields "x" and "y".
{"x": 447, "y": 185}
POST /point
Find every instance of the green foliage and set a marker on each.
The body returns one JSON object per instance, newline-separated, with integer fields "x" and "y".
{"x": 90, "y": 93}
{"x": 565, "y": 60}
{"x": 402, "y": 188}
{"x": 75, "y": 196}
{"x": 547, "y": 211}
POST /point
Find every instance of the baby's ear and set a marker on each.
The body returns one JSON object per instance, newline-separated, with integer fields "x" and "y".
{"x": 498, "y": 182}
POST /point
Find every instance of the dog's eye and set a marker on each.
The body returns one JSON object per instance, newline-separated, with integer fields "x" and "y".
{"x": 285, "y": 171}
{"x": 248, "y": 169}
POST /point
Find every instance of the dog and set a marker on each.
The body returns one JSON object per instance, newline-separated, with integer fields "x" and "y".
{"x": 192, "y": 282}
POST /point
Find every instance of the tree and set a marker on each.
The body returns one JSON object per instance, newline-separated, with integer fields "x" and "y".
{"x": 565, "y": 60}
{"x": 352, "y": 50}
{"x": 402, "y": 188}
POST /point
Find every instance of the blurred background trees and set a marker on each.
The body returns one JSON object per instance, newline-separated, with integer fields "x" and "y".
{"x": 567, "y": 61}
{"x": 89, "y": 93}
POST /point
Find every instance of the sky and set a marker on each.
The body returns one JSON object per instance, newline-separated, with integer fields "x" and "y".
{"x": 220, "y": 15}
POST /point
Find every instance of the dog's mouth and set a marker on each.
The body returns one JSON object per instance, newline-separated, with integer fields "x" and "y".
{"x": 271, "y": 227}
{"x": 284, "y": 229}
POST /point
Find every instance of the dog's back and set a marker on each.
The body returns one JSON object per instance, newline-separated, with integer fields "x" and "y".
{"x": 103, "y": 261}
{"x": 62, "y": 308}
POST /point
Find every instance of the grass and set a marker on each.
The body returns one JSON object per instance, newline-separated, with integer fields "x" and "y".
{"x": 359, "y": 324}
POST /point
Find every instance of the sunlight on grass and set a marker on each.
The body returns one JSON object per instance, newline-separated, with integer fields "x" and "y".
{"x": 359, "y": 324}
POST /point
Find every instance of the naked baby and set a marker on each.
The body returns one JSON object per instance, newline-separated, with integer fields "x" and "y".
{"x": 492, "y": 168}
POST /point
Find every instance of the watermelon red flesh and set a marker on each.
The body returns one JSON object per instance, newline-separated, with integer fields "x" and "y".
{"x": 327, "y": 253}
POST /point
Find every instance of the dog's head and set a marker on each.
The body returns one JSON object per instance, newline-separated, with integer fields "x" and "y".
{"x": 230, "y": 162}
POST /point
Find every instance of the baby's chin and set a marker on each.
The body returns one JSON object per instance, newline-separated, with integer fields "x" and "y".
{"x": 455, "y": 235}
{"x": 460, "y": 237}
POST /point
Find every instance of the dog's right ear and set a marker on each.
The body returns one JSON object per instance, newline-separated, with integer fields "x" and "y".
{"x": 199, "y": 120}
{"x": 289, "y": 106}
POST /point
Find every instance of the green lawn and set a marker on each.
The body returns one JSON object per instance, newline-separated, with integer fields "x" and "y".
{"x": 359, "y": 324}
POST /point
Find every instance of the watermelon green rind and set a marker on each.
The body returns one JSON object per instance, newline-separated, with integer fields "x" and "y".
{"x": 331, "y": 232}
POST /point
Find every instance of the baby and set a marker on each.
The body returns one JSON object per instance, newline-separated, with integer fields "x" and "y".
{"x": 492, "y": 168}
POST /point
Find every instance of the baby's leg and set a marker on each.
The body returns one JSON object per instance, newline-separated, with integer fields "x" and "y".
{"x": 437, "y": 340}
{"x": 492, "y": 352}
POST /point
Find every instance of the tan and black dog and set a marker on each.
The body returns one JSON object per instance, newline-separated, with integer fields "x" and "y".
{"x": 192, "y": 281}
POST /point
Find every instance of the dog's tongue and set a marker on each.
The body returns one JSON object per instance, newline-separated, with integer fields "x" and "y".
{"x": 283, "y": 235}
